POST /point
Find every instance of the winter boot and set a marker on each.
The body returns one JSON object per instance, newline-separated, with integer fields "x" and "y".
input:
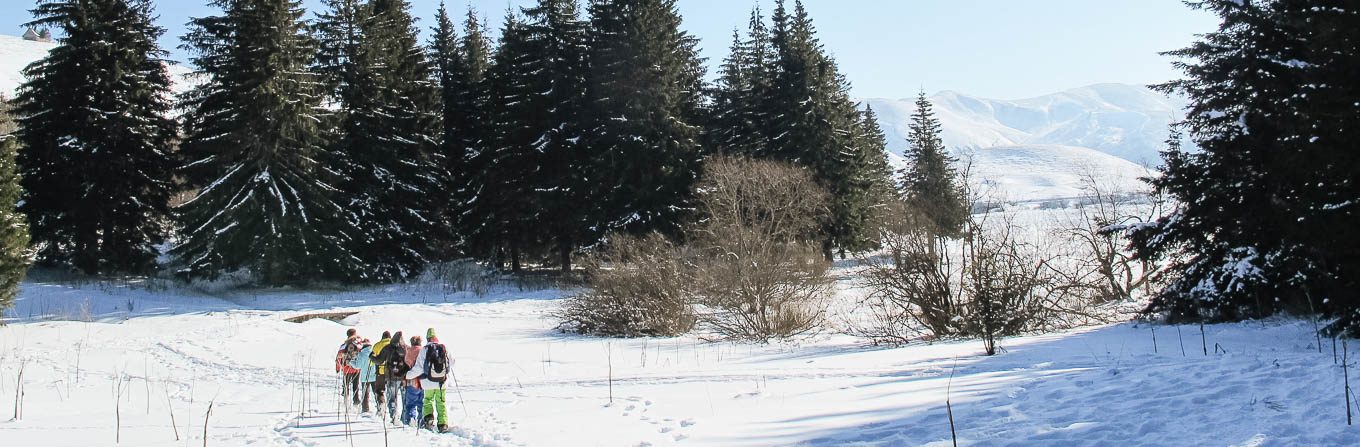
{"x": 443, "y": 428}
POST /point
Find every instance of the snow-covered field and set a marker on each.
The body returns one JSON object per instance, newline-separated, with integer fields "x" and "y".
{"x": 523, "y": 383}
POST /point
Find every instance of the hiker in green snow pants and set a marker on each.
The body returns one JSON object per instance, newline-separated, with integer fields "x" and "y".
{"x": 434, "y": 398}
{"x": 431, "y": 367}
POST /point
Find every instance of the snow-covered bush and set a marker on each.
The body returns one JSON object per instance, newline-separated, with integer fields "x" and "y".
{"x": 639, "y": 286}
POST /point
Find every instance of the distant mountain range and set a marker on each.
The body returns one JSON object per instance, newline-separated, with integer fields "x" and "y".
{"x": 1042, "y": 147}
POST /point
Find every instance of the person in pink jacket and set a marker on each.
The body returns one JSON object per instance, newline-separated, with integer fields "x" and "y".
{"x": 414, "y": 397}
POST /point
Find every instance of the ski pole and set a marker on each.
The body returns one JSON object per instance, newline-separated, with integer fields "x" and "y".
{"x": 459, "y": 390}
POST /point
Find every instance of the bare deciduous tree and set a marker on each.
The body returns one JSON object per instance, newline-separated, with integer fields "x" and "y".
{"x": 1096, "y": 269}
{"x": 750, "y": 268}
{"x": 761, "y": 276}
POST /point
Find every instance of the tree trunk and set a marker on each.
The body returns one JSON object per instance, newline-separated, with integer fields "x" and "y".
{"x": 565, "y": 255}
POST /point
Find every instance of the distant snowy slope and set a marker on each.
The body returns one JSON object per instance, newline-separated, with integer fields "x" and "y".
{"x": 1127, "y": 121}
{"x": 17, "y": 53}
{"x": 1038, "y": 172}
{"x": 1042, "y": 147}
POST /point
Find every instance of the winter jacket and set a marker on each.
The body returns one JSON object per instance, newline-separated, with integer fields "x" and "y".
{"x": 368, "y": 372}
{"x": 342, "y": 363}
{"x": 380, "y": 356}
{"x": 412, "y": 353}
{"x": 418, "y": 367}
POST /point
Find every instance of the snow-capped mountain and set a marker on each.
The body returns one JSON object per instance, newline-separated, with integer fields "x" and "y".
{"x": 1042, "y": 147}
{"x": 17, "y": 53}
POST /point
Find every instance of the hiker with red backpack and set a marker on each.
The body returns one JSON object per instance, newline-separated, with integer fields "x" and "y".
{"x": 432, "y": 367}
{"x": 349, "y": 386}
{"x": 414, "y": 397}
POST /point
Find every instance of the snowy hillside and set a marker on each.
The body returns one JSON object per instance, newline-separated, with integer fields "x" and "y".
{"x": 520, "y": 383}
{"x": 1046, "y": 143}
{"x": 17, "y": 53}
{"x": 1127, "y": 121}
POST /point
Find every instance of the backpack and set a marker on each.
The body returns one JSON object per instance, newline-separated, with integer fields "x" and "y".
{"x": 351, "y": 350}
{"x": 436, "y": 363}
{"x": 396, "y": 360}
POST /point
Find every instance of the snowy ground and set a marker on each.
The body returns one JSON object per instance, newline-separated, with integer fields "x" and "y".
{"x": 525, "y": 384}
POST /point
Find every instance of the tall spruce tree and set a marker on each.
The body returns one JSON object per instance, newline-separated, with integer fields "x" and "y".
{"x": 503, "y": 188}
{"x": 1267, "y": 215}
{"x": 813, "y": 122}
{"x": 555, "y": 116}
{"x": 645, "y": 85}
{"x": 460, "y": 66}
{"x": 97, "y": 138}
{"x": 930, "y": 183}
{"x": 738, "y": 120}
{"x": 874, "y": 148}
{"x": 265, "y": 199}
{"x": 385, "y": 136}
{"x": 14, "y": 251}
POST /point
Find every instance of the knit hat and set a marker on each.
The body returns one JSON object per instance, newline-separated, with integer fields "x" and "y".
{"x": 429, "y": 334}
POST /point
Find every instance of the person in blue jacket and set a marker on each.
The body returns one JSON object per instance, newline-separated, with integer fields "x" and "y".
{"x": 368, "y": 371}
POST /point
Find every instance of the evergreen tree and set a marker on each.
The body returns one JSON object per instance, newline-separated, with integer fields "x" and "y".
{"x": 97, "y": 140}
{"x": 645, "y": 85}
{"x": 265, "y": 200}
{"x": 1266, "y": 220}
{"x": 507, "y": 162}
{"x": 874, "y": 148}
{"x": 460, "y": 68}
{"x": 930, "y": 184}
{"x": 814, "y": 123}
{"x": 738, "y": 120}
{"x": 385, "y": 136}
{"x": 555, "y": 116}
{"x": 14, "y": 252}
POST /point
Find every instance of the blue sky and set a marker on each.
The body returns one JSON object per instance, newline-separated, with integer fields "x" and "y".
{"x": 1005, "y": 49}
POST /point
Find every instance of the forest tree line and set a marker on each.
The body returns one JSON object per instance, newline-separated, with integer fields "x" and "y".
{"x": 338, "y": 147}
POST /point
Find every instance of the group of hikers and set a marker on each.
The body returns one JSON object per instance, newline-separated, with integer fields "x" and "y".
{"x": 396, "y": 369}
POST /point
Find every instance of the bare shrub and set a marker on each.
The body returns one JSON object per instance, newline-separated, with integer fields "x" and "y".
{"x": 914, "y": 287}
{"x": 1004, "y": 279}
{"x": 749, "y": 269}
{"x": 458, "y": 276}
{"x": 987, "y": 285}
{"x": 1102, "y": 264}
{"x": 759, "y": 274}
{"x": 639, "y": 286}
